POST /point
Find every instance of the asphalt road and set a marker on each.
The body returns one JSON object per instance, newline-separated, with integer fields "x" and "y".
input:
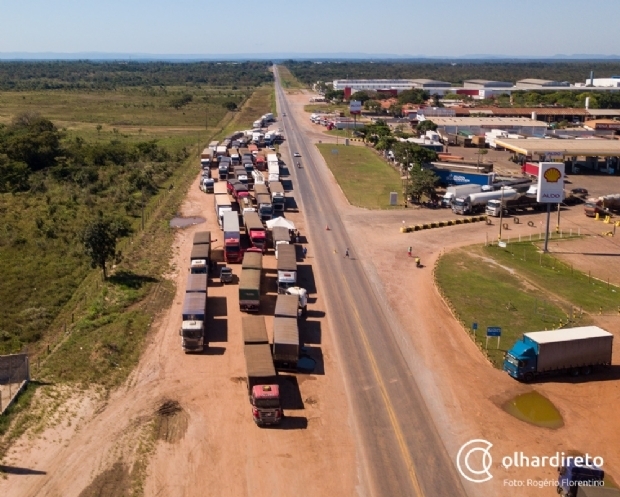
{"x": 402, "y": 453}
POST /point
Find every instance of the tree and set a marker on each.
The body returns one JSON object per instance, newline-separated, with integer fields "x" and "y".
{"x": 426, "y": 125}
{"x": 412, "y": 97}
{"x": 396, "y": 109}
{"x": 230, "y": 106}
{"x": 362, "y": 96}
{"x": 373, "y": 106}
{"x": 31, "y": 139}
{"x": 181, "y": 101}
{"x": 423, "y": 182}
{"x": 99, "y": 239}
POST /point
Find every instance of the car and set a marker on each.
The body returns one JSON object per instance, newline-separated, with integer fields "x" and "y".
{"x": 296, "y": 154}
{"x": 579, "y": 192}
{"x": 226, "y": 275}
{"x": 284, "y": 114}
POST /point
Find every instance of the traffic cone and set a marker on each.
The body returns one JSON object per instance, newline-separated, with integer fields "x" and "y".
{"x": 327, "y": 227}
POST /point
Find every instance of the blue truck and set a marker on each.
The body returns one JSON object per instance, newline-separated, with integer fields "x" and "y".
{"x": 570, "y": 350}
{"x": 581, "y": 480}
{"x": 448, "y": 177}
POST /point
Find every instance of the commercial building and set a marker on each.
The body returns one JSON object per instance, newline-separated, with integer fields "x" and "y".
{"x": 485, "y": 83}
{"x": 540, "y": 84}
{"x": 481, "y": 125}
{"x": 373, "y": 84}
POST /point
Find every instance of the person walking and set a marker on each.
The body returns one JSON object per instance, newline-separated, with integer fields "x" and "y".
{"x": 346, "y": 253}
{"x": 305, "y": 251}
{"x": 409, "y": 251}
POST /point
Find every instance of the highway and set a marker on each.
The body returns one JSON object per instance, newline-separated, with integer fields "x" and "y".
{"x": 400, "y": 449}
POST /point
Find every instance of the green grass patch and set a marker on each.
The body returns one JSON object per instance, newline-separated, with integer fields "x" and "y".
{"x": 321, "y": 107}
{"x": 259, "y": 103}
{"x": 365, "y": 179}
{"x": 557, "y": 277}
{"x": 289, "y": 82}
{"x": 482, "y": 292}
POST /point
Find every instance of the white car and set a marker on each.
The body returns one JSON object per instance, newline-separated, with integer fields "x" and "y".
{"x": 296, "y": 154}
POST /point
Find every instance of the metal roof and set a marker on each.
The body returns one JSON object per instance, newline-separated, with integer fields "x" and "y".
{"x": 487, "y": 121}
{"x": 567, "y": 334}
{"x": 571, "y": 147}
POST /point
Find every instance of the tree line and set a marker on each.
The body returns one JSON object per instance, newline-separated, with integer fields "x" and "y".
{"x": 91, "y": 75}
{"x": 456, "y": 71}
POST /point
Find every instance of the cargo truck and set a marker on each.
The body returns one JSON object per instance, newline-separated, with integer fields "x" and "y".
{"x": 581, "y": 480}
{"x": 232, "y": 237}
{"x": 293, "y": 303}
{"x": 202, "y": 238}
{"x": 453, "y": 192}
{"x": 249, "y": 290}
{"x": 221, "y": 151}
{"x": 255, "y": 230}
{"x": 280, "y": 236}
{"x": 252, "y": 260}
{"x": 605, "y": 205}
{"x": 220, "y": 188}
{"x": 222, "y": 205}
{"x": 258, "y": 177}
{"x": 240, "y": 191}
{"x": 222, "y": 172}
{"x": 285, "y": 346}
{"x": 570, "y": 350}
{"x": 302, "y": 298}
{"x": 476, "y": 202}
{"x": 263, "y": 390}
{"x": 196, "y": 283}
{"x": 201, "y": 252}
{"x": 192, "y": 330}
{"x": 265, "y": 209}
{"x": 207, "y": 184}
{"x": 253, "y": 329}
{"x": 286, "y": 267}
{"x": 510, "y": 206}
{"x": 277, "y": 196}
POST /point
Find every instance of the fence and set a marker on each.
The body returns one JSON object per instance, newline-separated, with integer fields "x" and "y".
{"x": 14, "y": 375}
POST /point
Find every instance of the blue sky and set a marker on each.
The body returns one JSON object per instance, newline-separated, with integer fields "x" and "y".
{"x": 433, "y": 28}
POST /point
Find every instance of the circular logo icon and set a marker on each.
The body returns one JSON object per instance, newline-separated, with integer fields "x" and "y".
{"x": 552, "y": 175}
{"x": 474, "y": 460}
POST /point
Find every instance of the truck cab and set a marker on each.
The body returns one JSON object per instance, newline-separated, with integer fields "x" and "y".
{"x": 192, "y": 336}
{"x": 460, "y": 206}
{"x": 574, "y": 476}
{"x": 494, "y": 208}
{"x": 199, "y": 266}
{"x": 266, "y": 409}
{"x": 520, "y": 361}
{"x": 302, "y": 295}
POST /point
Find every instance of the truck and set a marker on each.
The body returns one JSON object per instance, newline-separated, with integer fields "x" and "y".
{"x": 286, "y": 267}
{"x": 476, "y": 202}
{"x": 221, "y": 151}
{"x": 192, "y": 330}
{"x": 252, "y": 260}
{"x": 235, "y": 158}
{"x": 220, "y": 188}
{"x": 459, "y": 191}
{"x": 510, "y": 206}
{"x": 222, "y": 172}
{"x": 240, "y": 191}
{"x": 213, "y": 145}
{"x": 249, "y": 290}
{"x": 582, "y": 480}
{"x": 196, "y": 283}
{"x": 222, "y": 204}
{"x": 232, "y": 237}
{"x": 494, "y": 134}
{"x": 253, "y": 329}
{"x": 278, "y": 200}
{"x": 258, "y": 177}
{"x": 301, "y": 295}
{"x": 199, "y": 258}
{"x": 279, "y": 236}
{"x": 265, "y": 209}
{"x": 255, "y": 230}
{"x": 569, "y": 350}
{"x": 605, "y": 205}
{"x": 207, "y": 184}
{"x": 263, "y": 389}
{"x": 458, "y": 177}
{"x": 292, "y": 303}
{"x": 285, "y": 346}
{"x": 201, "y": 238}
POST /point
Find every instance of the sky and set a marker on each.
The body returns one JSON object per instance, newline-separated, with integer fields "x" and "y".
{"x": 446, "y": 28}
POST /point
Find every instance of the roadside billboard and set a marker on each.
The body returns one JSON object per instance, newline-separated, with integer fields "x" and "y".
{"x": 355, "y": 107}
{"x": 550, "y": 183}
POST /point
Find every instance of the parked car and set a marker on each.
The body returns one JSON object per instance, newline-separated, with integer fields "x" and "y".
{"x": 226, "y": 275}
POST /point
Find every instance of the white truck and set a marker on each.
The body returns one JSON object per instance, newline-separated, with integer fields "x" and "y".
{"x": 494, "y": 134}
{"x": 458, "y": 191}
{"x": 222, "y": 204}
{"x": 286, "y": 267}
{"x": 476, "y": 202}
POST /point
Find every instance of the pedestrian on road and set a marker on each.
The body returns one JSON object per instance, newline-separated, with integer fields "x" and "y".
{"x": 305, "y": 251}
{"x": 346, "y": 253}
{"x": 409, "y": 251}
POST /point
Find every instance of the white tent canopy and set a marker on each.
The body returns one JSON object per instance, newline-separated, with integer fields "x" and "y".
{"x": 280, "y": 221}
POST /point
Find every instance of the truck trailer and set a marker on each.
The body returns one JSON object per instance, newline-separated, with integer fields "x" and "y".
{"x": 249, "y": 290}
{"x": 222, "y": 205}
{"x": 252, "y": 260}
{"x": 253, "y": 329}
{"x": 192, "y": 330}
{"x": 476, "y": 202}
{"x": 232, "y": 237}
{"x": 453, "y": 192}
{"x": 263, "y": 204}
{"x": 510, "y": 206}
{"x": 570, "y": 350}
{"x": 196, "y": 283}
{"x": 263, "y": 389}
{"x": 277, "y": 196}
{"x": 286, "y": 267}
{"x": 285, "y": 343}
{"x": 280, "y": 236}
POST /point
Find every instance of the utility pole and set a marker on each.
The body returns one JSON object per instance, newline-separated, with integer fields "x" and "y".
{"x": 501, "y": 213}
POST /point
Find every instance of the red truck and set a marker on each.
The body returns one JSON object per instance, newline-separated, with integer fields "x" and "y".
{"x": 260, "y": 162}
{"x": 255, "y": 230}
{"x": 232, "y": 237}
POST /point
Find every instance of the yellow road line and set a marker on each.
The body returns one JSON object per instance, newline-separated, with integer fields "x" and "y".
{"x": 386, "y": 399}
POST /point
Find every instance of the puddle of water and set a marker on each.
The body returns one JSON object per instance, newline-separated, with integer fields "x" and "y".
{"x": 184, "y": 222}
{"x": 535, "y": 409}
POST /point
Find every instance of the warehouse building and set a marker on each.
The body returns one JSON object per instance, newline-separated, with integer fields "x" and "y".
{"x": 481, "y": 125}
{"x": 540, "y": 84}
{"x": 373, "y": 84}
{"x": 485, "y": 83}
